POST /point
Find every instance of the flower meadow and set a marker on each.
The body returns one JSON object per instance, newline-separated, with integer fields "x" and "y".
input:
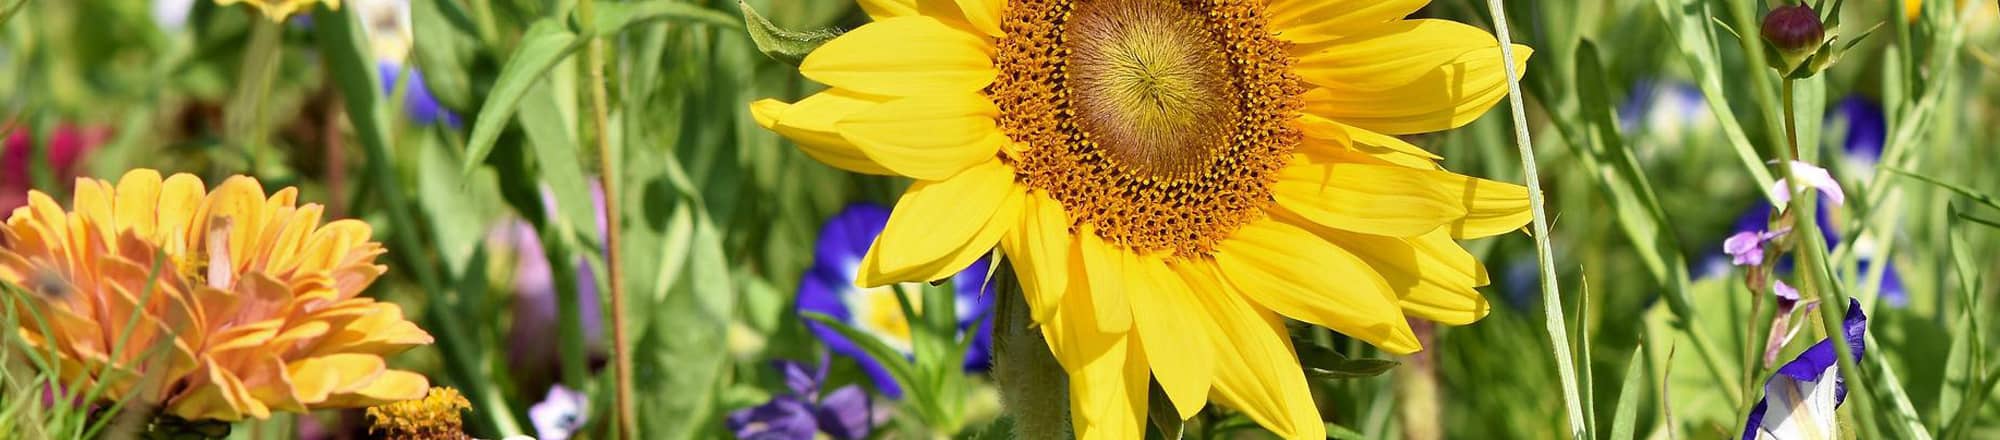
{"x": 999, "y": 219}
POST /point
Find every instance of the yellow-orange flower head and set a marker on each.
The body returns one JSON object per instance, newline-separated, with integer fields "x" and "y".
{"x": 217, "y": 305}
{"x": 1171, "y": 179}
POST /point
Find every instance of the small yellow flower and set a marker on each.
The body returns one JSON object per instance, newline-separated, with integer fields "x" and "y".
{"x": 217, "y": 305}
{"x": 278, "y": 10}
{"x": 434, "y": 417}
{"x": 1171, "y": 179}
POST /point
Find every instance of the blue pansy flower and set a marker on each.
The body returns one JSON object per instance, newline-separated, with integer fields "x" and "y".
{"x": 828, "y": 288}
{"x": 418, "y": 103}
{"x": 1859, "y": 128}
{"x": 805, "y": 414}
{"x": 1799, "y": 401}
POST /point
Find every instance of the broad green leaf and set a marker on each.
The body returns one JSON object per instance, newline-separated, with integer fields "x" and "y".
{"x": 548, "y": 115}
{"x": 614, "y": 17}
{"x": 1628, "y": 189}
{"x": 781, "y": 44}
{"x": 544, "y": 44}
{"x": 446, "y": 50}
{"x": 1326, "y": 364}
{"x": 898, "y": 366}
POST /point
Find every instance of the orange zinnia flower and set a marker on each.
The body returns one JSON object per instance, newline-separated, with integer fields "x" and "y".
{"x": 214, "y": 305}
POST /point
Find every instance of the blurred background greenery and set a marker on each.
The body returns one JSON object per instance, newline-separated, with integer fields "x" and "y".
{"x": 1640, "y": 111}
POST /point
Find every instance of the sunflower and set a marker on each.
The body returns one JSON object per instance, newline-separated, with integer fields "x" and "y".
{"x": 214, "y": 305}
{"x": 1172, "y": 179}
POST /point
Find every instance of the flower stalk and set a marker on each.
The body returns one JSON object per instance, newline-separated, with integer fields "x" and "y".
{"x": 621, "y": 350}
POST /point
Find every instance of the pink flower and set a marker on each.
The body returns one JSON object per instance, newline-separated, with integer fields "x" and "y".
{"x": 1814, "y": 177}
{"x": 66, "y": 145}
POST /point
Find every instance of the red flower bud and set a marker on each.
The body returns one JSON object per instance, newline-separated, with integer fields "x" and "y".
{"x": 1794, "y": 30}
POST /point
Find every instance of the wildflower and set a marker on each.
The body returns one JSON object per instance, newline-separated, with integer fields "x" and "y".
{"x": 1815, "y": 178}
{"x": 560, "y": 414}
{"x": 65, "y": 148}
{"x": 1781, "y": 329}
{"x": 1234, "y": 160}
{"x": 434, "y": 417}
{"x": 828, "y": 287}
{"x": 253, "y": 304}
{"x": 803, "y": 414}
{"x": 1668, "y": 114}
{"x": 1799, "y": 401}
{"x": 1747, "y": 248}
{"x": 418, "y": 103}
{"x": 278, "y": 10}
{"x": 171, "y": 16}
{"x": 533, "y": 331}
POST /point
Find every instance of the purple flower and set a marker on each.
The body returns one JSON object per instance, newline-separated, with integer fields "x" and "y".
{"x": 803, "y": 414}
{"x": 560, "y": 414}
{"x": 1799, "y": 401}
{"x": 828, "y": 288}
{"x": 418, "y": 103}
{"x": 1747, "y": 248}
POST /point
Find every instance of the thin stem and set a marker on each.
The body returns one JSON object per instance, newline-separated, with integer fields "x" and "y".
{"x": 621, "y": 347}
{"x": 1813, "y": 268}
{"x": 1551, "y": 297}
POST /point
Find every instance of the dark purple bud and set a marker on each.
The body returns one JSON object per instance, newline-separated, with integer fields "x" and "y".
{"x": 1794, "y": 29}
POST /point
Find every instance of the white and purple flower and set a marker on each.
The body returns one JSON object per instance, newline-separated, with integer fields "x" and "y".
{"x": 828, "y": 288}
{"x": 561, "y": 414}
{"x": 1799, "y": 401}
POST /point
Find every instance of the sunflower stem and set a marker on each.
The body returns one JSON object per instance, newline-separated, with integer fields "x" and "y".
{"x": 1545, "y": 254}
{"x": 621, "y": 350}
{"x": 1033, "y": 387}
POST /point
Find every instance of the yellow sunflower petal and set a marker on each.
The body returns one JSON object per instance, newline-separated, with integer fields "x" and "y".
{"x": 940, "y": 227}
{"x": 1382, "y": 200}
{"x": 982, "y": 16}
{"x": 1433, "y": 277}
{"x": 1256, "y": 370}
{"x": 809, "y": 123}
{"x": 1107, "y": 380}
{"x": 927, "y": 137}
{"x": 1376, "y": 146}
{"x": 903, "y": 56}
{"x": 1102, "y": 263}
{"x": 887, "y": 9}
{"x": 1290, "y": 271}
{"x": 1406, "y": 77}
{"x": 1307, "y": 21}
{"x": 390, "y": 386}
{"x": 1166, "y": 317}
{"x": 1498, "y": 208}
{"x": 1039, "y": 247}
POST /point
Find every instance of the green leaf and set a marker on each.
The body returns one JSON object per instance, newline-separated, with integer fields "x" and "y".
{"x": 1969, "y": 193}
{"x": 446, "y": 50}
{"x": 1160, "y": 409}
{"x": 1628, "y": 189}
{"x": 614, "y": 17}
{"x": 1326, "y": 364}
{"x": 778, "y": 43}
{"x": 544, "y": 44}
{"x": 548, "y": 115}
{"x": 898, "y": 366}
{"x": 1337, "y": 432}
{"x": 1626, "y": 417}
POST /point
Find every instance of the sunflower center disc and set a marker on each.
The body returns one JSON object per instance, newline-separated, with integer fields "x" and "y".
{"x": 1158, "y": 124}
{"x": 1151, "y": 85}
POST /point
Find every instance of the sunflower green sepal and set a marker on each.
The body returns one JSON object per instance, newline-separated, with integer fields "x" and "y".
{"x": 782, "y": 44}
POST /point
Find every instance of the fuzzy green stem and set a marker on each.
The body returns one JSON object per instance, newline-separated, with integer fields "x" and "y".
{"x": 1033, "y": 386}
{"x": 1544, "y": 252}
{"x": 621, "y": 349}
